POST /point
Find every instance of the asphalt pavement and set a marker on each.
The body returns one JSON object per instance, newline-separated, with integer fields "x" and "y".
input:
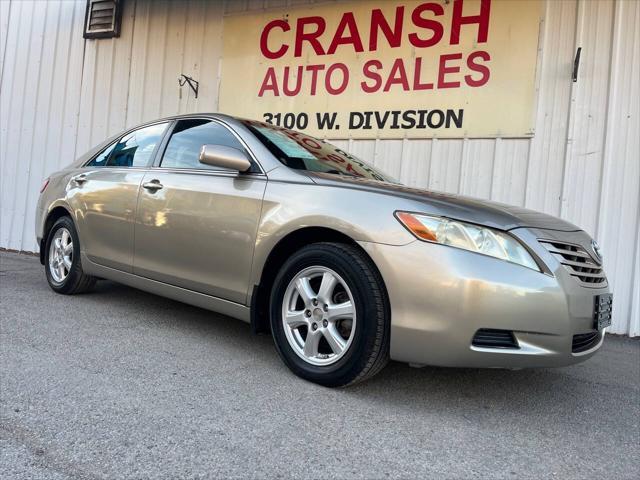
{"x": 119, "y": 383}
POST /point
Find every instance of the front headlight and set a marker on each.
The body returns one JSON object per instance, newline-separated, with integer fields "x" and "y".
{"x": 475, "y": 238}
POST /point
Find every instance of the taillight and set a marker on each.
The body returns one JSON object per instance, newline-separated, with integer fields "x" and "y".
{"x": 44, "y": 185}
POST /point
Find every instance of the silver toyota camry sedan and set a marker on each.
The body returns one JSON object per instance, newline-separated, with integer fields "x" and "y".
{"x": 345, "y": 267}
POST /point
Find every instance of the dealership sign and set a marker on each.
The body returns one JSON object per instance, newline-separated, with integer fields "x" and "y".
{"x": 386, "y": 69}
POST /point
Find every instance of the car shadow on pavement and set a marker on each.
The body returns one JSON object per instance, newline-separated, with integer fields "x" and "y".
{"x": 432, "y": 389}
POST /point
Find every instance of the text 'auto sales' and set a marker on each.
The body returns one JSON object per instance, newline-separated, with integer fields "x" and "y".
{"x": 421, "y": 29}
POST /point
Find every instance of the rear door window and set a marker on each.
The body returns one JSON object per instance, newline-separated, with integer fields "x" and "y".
{"x": 101, "y": 159}
{"x": 135, "y": 148}
{"x": 132, "y": 150}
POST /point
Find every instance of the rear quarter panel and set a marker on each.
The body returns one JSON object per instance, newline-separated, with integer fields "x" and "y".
{"x": 54, "y": 196}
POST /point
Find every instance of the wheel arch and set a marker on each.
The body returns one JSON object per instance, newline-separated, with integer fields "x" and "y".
{"x": 52, "y": 217}
{"x": 290, "y": 243}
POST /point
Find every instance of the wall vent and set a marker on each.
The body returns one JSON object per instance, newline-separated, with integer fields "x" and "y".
{"x": 103, "y": 18}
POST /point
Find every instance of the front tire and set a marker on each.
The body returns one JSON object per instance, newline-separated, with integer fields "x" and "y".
{"x": 330, "y": 315}
{"x": 62, "y": 260}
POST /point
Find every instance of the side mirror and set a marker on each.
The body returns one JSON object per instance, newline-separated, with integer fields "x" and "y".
{"x": 225, "y": 157}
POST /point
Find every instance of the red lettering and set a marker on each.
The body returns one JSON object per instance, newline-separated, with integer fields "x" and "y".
{"x": 445, "y": 70}
{"x": 367, "y": 72}
{"x": 347, "y": 21}
{"x": 482, "y": 20}
{"x": 335, "y": 158}
{"x": 311, "y": 143}
{"x": 264, "y": 37}
{"x": 433, "y": 25}
{"x": 270, "y": 82}
{"x": 477, "y": 67}
{"x": 345, "y": 78}
{"x": 379, "y": 22}
{"x": 426, "y": 19}
{"x": 285, "y": 82}
{"x": 417, "y": 84}
{"x": 311, "y": 37}
{"x": 314, "y": 69}
{"x": 398, "y": 76}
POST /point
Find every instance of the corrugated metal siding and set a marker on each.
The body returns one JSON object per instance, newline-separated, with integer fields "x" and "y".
{"x": 39, "y": 100}
{"x": 134, "y": 78}
{"x": 582, "y": 164}
{"x": 619, "y": 212}
{"x": 5, "y": 8}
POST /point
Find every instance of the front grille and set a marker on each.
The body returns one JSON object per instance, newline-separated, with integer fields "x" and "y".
{"x": 585, "y": 341}
{"x": 578, "y": 262}
{"x": 491, "y": 338}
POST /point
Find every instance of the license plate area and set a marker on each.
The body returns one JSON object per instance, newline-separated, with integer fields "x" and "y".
{"x": 602, "y": 311}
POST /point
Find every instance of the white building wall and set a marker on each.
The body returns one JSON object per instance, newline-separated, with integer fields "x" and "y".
{"x": 61, "y": 94}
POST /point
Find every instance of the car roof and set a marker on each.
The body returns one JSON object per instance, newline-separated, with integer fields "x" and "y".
{"x": 216, "y": 115}
{"x": 236, "y": 122}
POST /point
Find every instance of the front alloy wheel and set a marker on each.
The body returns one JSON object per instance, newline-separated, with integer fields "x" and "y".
{"x": 319, "y": 316}
{"x": 330, "y": 315}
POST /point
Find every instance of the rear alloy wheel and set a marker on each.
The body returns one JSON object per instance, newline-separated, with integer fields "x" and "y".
{"x": 330, "y": 315}
{"x": 62, "y": 260}
{"x": 60, "y": 255}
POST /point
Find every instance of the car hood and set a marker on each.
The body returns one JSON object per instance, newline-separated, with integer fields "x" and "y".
{"x": 484, "y": 212}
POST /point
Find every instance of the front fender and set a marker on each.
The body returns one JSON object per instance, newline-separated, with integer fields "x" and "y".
{"x": 359, "y": 215}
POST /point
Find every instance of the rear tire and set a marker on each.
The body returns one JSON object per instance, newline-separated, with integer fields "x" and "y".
{"x": 330, "y": 315}
{"x": 62, "y": 260}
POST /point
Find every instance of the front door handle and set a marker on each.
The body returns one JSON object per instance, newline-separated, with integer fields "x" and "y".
{"x": 153, "y": 185}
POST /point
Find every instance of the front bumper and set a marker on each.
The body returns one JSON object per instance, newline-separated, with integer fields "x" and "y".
{"x": 441, "y": 296}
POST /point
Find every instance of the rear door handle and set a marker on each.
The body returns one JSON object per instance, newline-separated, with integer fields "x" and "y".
{"x": 153, "y": 185}
{"x": 80, "y": 179}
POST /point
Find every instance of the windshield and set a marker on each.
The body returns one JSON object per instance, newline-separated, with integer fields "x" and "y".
{"x": 302, "y": 152}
